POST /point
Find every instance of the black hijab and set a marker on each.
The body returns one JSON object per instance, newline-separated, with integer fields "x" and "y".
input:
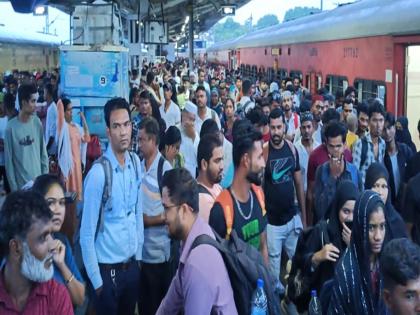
{"x": 402, "y": 133}
{"x": 352, "y": 291}
{"x": 394, "y": 223}
{"x": 346, "y": 191}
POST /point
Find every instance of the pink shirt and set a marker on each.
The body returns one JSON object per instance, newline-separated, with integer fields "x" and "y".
{"x": 47, "y": 298}
{"x": 206, "y": 200}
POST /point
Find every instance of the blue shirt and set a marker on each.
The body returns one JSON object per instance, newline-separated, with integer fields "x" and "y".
{"x": 122, "y": 236}
{"x": 68, "y": 259}
{"x": 157, "y": 245}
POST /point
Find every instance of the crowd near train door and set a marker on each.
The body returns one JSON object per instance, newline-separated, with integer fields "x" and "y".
{"x": 413, "y": 90}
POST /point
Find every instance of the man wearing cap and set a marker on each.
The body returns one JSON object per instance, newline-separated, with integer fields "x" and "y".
{"x": 169, "y": 111}
{"x": 190, "y": 137}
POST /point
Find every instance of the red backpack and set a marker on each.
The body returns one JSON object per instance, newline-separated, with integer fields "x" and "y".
{"x": 93, "y": 152}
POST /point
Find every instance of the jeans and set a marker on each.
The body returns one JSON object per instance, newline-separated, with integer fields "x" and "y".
{"x": 155, "y": 280}
{"x": 120, "y": 291}
{"x": 282, "y": 236}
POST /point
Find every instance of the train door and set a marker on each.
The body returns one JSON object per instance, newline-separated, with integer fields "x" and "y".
{"x": 412, "y": 90}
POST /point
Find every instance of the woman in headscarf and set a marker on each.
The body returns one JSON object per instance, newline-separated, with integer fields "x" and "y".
{"x": 329, "y": 239}
{"x": 357, "y": 284}
{"x": 402, "y": 133}
{"x": 377, "y": 178}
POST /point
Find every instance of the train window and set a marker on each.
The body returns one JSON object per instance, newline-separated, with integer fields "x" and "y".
{"x": 369, "y": 89}
{"x": 296, "y": 74}
{"x": 288, "y": 51}
{"x": 308, "y": 81}
{"x": 319, "y": 81}
{"x": 265, "y": 51}
{"x": 280, "y": 51}
{"x": 281, "y": 73}
{"x": 271, "y": 74}
{"x": 335, "y": 83}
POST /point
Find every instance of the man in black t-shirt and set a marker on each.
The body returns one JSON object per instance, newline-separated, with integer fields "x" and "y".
{"x": 246, "y": 199}
{"x": 282, "y": 179}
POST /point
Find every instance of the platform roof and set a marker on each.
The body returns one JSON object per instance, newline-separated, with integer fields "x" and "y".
{"x": 206, "y": 12}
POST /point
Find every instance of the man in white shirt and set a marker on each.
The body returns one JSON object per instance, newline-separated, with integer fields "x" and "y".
{"x": 306, "y": 144}
{"x": 51, "y": 121}
{"x": 190, "y": 137}
{"x": 203, "y": 112}
{"x": 169, "y": 111}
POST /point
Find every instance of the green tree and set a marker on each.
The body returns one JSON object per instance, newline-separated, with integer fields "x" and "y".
{"x": 298, "y": 12}
{"x": 227, "y": 30}
{"x": 267, "y": 20}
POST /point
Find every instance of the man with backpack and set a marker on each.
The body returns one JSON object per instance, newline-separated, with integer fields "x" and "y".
{"x": 210, "y": 172}
{"x": 155, "y": 275}
{"x": 111, "y": 232}
{"x": 241, "y": 207}
{"x": 201, "y": 284}
{"x": 282, "y": 179}
{"x": 334, "y": 171}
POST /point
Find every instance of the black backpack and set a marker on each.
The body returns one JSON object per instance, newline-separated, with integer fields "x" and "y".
{"x": 299, "y": 283}
{"x": 245, "y": 266}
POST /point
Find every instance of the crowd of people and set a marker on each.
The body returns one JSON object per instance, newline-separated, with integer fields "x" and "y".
{"x": 323, "y": 186}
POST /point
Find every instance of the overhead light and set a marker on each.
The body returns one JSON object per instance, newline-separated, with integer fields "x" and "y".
{"x": 187, "y": 19}
{"x": 40, "y": 10}
{"x": 228, "y": 9}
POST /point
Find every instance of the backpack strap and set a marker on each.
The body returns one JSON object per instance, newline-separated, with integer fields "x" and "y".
{"x": 260, "y": 196}
{"x": 295, "y": 120}
{"x": 363, "y": 156}
{"x": 107, "y": 191}
{"x": 266, "y": 148}
{"x": 213, "y": 114}
{"x": 134, "y": 161}
{"x": 324, "y": 232}
{"x": 203, "y": 190}
{"x": 354, "y": 174}
{"x": 160, "y": 172}
{"x": 226, "y": 201}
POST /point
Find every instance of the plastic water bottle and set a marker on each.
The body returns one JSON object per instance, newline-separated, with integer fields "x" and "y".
{"x": 259, "y": 300}
{"x": 314, "y": 304}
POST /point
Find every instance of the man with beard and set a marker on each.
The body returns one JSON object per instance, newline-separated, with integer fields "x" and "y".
{"x": 155, "y": 275}
{"x": 247, "y": 199}
{"x": 210, "y": 172}
{"x": 201, "y": 284}
{"x": 24, "y": 145}
{"x": 371, "y": 148}
{"x": 362, "y": 119}
{"x": 190, "y": 137}
{"x": 282, "y": 179}
{"x": 26, "y": 285}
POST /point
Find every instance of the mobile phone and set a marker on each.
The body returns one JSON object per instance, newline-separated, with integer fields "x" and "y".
{"x": 349, "y": 224}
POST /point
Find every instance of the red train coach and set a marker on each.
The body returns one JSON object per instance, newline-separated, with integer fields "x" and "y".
{"x": 370, "y": 44}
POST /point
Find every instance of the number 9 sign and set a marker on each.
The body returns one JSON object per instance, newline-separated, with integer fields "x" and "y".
{"x": 102, "y": 80}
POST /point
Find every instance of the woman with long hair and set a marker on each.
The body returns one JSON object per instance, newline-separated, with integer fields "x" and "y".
{"x": 65, "y": 269}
